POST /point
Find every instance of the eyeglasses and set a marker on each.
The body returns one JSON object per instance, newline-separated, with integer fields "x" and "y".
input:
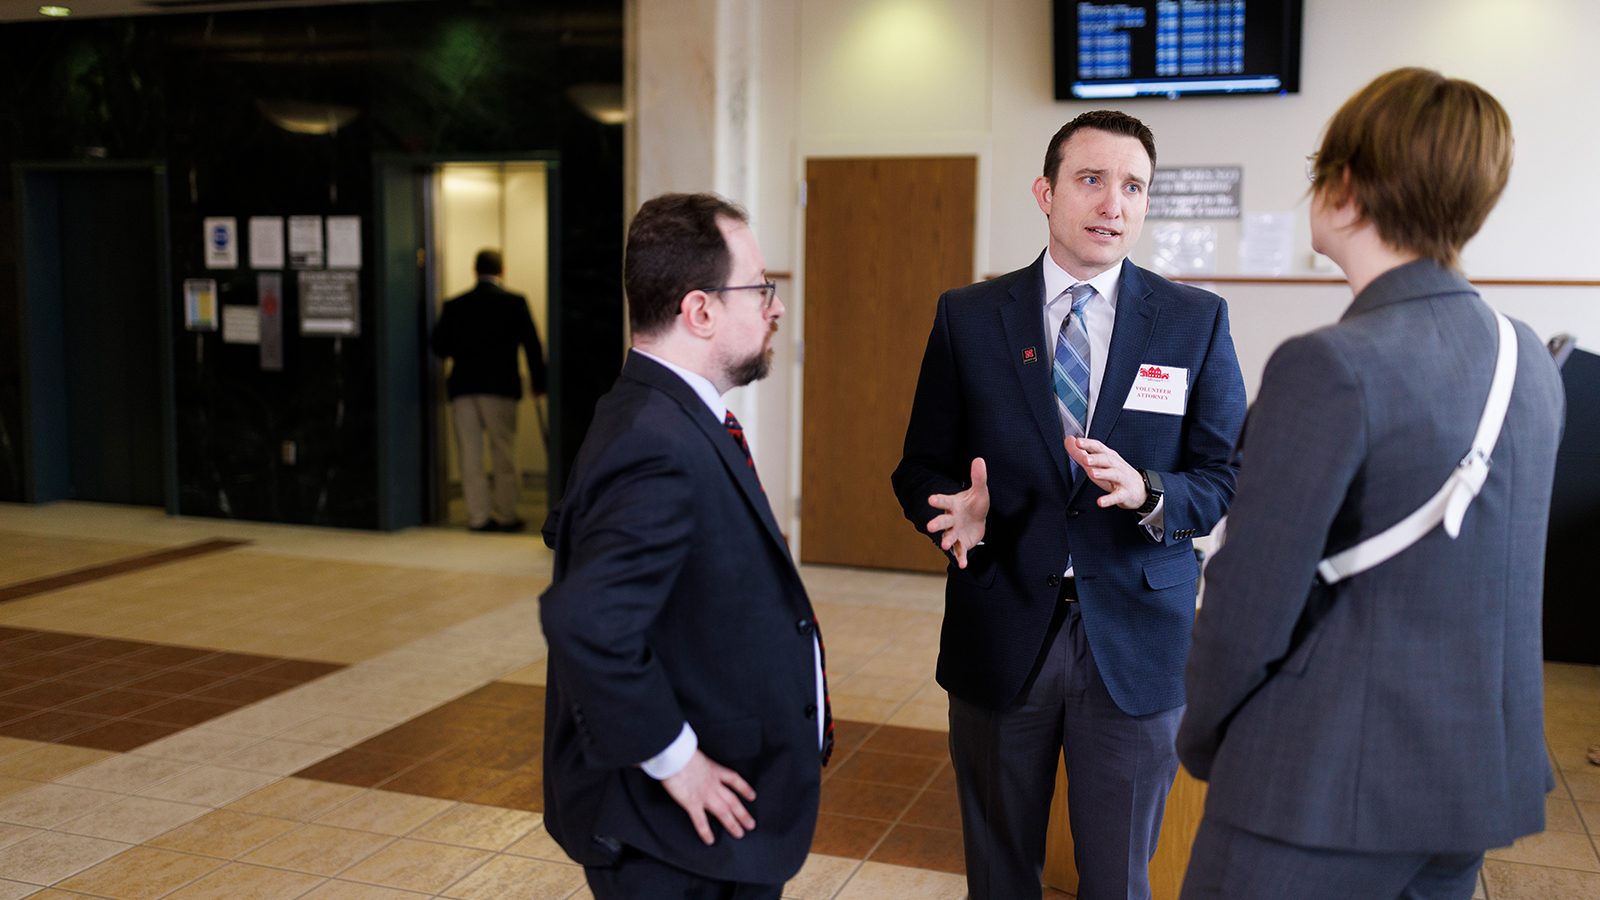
{"x": 1311, "y": 167}
{"x": 769, "y": 292}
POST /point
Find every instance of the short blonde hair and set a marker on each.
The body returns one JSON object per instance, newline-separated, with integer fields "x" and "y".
{"x": 1427, "y": 156}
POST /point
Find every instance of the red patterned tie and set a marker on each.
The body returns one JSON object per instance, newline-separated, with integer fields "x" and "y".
{"x": 737, "y": 431}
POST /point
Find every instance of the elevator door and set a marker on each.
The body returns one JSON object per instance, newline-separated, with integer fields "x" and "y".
{"x": 504, "y": 206}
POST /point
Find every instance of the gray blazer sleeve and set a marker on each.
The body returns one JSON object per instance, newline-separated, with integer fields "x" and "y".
{"x": 1303, "y": 446}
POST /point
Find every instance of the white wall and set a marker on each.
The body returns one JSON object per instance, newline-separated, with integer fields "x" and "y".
{"x": 973, "y": 77}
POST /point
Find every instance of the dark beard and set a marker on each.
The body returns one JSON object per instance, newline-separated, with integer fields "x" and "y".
{"x": 753, "y": 369}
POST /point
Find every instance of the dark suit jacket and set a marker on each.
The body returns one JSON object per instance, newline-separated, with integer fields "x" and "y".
{"x": 674, "y": 599}
{"x": 481, "y": 330}
{"x": 982, "y": 394}
{"x": 1400, "y": 710}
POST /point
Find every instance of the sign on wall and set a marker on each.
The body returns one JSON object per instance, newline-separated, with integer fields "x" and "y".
{"x": 330, "y": 303}
{"x": 1199, "y": 192}
{"x": 222, "y": 242}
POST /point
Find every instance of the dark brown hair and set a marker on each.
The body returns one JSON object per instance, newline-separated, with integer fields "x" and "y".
{"x": 674, "y": 246}
{"x": 489, "y": 262}
{"x": 1111, "y": 120}
{"x": 1427, "y": 155}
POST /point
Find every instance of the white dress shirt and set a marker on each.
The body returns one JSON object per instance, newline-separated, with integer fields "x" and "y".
{"x": 677, "y": 754}
{"x": 1099, "y": 320}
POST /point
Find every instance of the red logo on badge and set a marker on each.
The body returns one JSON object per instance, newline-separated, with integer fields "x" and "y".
{"x": 1153, "y": 372}
{"x": 1029, "y": 355}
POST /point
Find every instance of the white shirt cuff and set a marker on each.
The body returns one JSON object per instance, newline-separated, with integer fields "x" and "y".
{"x": 1155, "y": 523}
{"x": 671, "y": 761}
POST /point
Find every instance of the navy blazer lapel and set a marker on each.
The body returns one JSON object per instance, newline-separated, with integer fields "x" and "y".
{"x": 744, "y": 474}
{"x": 1023, "y": 319}
{"x": 1136, "y": 321}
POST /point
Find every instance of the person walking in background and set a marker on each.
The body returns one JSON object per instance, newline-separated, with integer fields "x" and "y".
{"x": 480, "y": 332}
{"x": 1070, "y": 435}
{"x": 686, "y": 711}
{"x": 1369, "y": 713}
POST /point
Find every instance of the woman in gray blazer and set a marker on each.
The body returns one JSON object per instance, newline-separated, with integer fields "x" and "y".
{"x": 1370, "y": 738}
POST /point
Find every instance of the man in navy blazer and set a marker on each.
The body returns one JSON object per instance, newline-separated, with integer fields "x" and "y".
{"x": 1070, "y": 593}
{"x": 685, "y": 713}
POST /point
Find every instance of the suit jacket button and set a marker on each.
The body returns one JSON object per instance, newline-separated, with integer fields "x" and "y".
{"x": 1053, "y": 581}
{"x": 811, "y": 710}
{"x": 1072, "y": 513}
{"x": 803, "y": 626}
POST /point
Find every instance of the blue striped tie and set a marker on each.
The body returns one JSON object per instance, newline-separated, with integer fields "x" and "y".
{"x": 1071, "y": 367}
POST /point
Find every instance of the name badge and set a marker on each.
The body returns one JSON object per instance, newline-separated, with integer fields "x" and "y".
{"x": 1159, "y": 389}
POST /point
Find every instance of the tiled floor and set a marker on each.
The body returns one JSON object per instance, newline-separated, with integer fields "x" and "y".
{"x": 409, "y": 769}
{"x": 118, "y": 695}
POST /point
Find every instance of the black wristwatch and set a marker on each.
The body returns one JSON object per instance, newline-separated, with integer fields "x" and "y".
{"x": 1152, "y": 490}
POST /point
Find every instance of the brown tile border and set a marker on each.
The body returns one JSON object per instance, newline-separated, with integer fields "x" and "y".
{"x": 888, "y": 796}
{"x": 116, "y": 567}
{"x": 119, "y": 695}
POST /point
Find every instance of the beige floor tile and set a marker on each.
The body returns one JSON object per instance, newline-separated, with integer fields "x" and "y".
{"x": 208, "y": 785}
{"x": 1589, "y": 811}
{"x": 897, "y": 690}
{"x": 134, "y": 820}
{"x": 928, "y": 716}
{"x": 196, "y": 745}
{"x": 276, "y": 757}
{"x": 11, "y": 834}
{"x": 516, "y": 878}
{"x": 1510, "y": 881}
{"x": 877, "y": 881}
{"x": 50, "y": 761}
{"x": 48, "y": 857}
{"x": 11, "y": 745}
{"x": 16, "y": 890}
{"x": 335, "y": 730}
{"x": 540, "y": 845}
{"x": 1585, "y": 785}
{"x": 533, "y": 674}
{"x": 862, "y": 709}
{"x": 298, "y": 799}
{"x": 385, "y": 812}
{"x": 48, "y": 805}
{"x": 351, "y": 890}
{"x": 125, "y": 773}
{"x": 821, "y": 877}
{"x": 9, "y": 786}
{"x": 416, "y": 866}
{"x": 223, "y": 833}
{"x": 478, "y": 826}
{"x": 264, "y": 719}
{"x": 1561, "y": 814}
{"x": 916, "y": 664}
{"x": 142, "y": 873}
{"x": 1550, "y": 848}
{"x": 318, "y": 849}
{"x": 1572, "y": 758}
{"x": 237, "y": 881}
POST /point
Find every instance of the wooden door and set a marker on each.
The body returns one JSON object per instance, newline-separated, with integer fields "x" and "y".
{"x": 884, "y": 237}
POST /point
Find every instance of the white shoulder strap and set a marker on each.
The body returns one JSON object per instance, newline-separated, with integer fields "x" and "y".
{"x": 1450, "y": 503}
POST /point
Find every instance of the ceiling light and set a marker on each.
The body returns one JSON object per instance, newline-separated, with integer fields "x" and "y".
{"x": 59, "y": 12}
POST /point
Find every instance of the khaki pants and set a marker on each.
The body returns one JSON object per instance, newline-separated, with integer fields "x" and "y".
{"x": 475, "y": 414}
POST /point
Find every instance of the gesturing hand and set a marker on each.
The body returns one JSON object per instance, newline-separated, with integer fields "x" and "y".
{"x": 1123, "y": 484}
{"x": 703, "y": 786}
{"x": 964, "y": 514}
